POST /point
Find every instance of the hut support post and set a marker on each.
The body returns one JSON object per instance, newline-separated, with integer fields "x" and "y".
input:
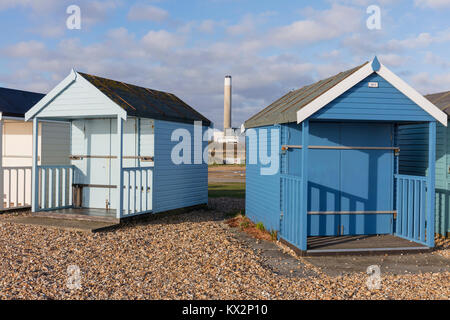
{"x": 34, "y": 171}
{"x": 431, "y": 182}
{"x": 1, "y": 167}
{"x": 119, "y": 167}
{"x": 304, "y": 195}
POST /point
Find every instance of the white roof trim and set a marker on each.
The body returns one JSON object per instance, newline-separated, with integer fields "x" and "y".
{"x": 411, "y": 93}
{"x": 64, "y": 84}
{"x": 333, "y": 93}
{"x": 360, "y": 75}
{"x": 30, "y": 114}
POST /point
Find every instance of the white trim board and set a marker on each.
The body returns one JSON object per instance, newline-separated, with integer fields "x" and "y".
{"x": 65, "y": 84}
{"x": 321, "y": 101}
{"x": 51, "y": 95}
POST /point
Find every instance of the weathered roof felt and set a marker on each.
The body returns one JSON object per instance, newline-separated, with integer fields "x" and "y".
{"x": 146, "y": 103}
{"x": 441, "y": 100}
{"x": 15, "y": 103}
{"x": 285, "y": 109}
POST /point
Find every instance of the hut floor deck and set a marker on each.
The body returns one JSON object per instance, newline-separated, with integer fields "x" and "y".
{"x": 368, "y": 244}
{"x": 88, "y": 214}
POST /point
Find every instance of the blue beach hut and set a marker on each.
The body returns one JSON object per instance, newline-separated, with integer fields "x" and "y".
{"x": 323, "y": 163}
{"x": 121, "y": 144}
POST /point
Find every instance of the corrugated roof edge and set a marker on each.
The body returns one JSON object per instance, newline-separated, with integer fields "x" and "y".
{"x": 252, "y": 121}
{"x": 441, "y": 100}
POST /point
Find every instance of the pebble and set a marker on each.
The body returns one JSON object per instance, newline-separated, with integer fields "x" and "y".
{"x": 185, "y": 256}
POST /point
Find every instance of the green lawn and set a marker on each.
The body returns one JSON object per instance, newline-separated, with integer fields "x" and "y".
{"x": 229, "y": 190}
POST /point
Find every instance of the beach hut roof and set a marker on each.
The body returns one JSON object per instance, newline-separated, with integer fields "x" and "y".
{"x": 15, "y": 103}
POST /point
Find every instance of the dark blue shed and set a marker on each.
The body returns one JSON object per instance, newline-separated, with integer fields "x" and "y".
{"x": 323, "y": 160}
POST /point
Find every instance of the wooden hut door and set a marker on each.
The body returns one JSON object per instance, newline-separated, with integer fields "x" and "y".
{"x": 98, "y": 180}
{"x": 350, "y": 190}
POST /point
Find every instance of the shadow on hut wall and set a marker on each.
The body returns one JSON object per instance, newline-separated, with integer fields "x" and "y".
{"x": 442, "y": 220}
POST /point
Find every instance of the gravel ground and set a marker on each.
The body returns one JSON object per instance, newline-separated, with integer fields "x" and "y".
{"x": 188, "y": 256}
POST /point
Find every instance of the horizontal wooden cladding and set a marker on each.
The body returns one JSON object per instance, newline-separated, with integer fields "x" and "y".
{"x": 81, "y": 157}
{"x": 352, "y": 212}
{"x": 286, "y": 147}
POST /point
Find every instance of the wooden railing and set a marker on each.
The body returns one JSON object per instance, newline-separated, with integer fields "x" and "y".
{"x": 55, "y": 191}
{"x": 411, "y": 208}
{"x": 291, "y": 187}
{"x": 16, "y": 187}
{"x": 137, "y": 195}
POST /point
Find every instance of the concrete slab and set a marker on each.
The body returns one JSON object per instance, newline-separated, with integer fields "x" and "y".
{"x": 391, "y": 264}
{"x": 59, "y": 223}
{"x": 88, "y": 214}
{"x": 273, "y": 257}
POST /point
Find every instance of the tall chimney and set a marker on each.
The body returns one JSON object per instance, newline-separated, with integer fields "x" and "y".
{"x": 227, "y": 104}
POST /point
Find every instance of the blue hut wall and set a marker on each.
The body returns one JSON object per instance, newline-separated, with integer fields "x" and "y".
{"x": 339, "y": 180}
{"x": 413, "y": 143}
{"x": 177, "y": 186}
{"x": 262, "y": 202}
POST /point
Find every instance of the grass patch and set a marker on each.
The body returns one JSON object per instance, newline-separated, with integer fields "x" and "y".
{"x": 254, "y": 230}
{"x": 227, "y": 190}
{"x": 260, "y": 226}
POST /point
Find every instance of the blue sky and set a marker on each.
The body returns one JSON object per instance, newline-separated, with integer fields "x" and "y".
{"x": 187, "y": 47}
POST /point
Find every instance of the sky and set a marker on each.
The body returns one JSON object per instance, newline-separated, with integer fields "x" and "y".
{"x": 187, "y": 46}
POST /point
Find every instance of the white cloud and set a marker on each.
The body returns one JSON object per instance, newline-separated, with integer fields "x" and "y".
{"x": 420, "y": 41}
{"x": 25, "y": 49}
{"x": 319, "y": 26}
{"x": 393, "y": 60}
{"x": 161, "y": 40}
{"x": 245, "y": 26}
{"x": 427, "y": 83}
{"x": 434, "y": 4}
{"x": 432, "y": 59}
{"x": 182, "y": 60}
{"x": 142, "y": 12}
{"x": 38, "y": 6}
{"x": 207, "y": 26}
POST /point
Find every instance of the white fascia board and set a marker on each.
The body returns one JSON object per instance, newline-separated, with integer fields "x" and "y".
{"x": 334, "y": 92}
{"x": 412, "y": 94}
{"x": 12, "y": 118}
{"x": 117, "y": 109}
{"x": 30, "y": 114}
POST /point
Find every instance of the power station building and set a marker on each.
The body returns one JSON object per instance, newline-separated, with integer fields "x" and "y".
{"x": 227, "y": 146}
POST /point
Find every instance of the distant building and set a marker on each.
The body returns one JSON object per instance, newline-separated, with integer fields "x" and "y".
{"x": 228, "y": 146}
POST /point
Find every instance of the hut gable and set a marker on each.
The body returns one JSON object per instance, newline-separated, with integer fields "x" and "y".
{"x": 373, "y": 98}
{"x": 75, "y": 97}
{"x": 367, "y": 92}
